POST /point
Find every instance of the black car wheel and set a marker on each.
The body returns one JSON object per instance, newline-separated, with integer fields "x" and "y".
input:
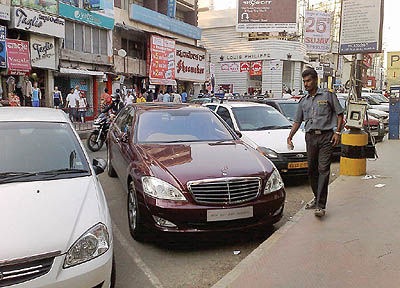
{"x": 135, "y": 225}
{"x": 110, "y": 169}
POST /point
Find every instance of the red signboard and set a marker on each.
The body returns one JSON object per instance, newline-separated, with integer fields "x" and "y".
{"x": 256, "y": 68}
{"x": 18, "y": 58}
{"x": 244, "y": 66}
{"x": 162, "y": 64}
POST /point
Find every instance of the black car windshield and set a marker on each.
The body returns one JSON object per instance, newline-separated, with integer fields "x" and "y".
{"x": 39, "y": 150}
{"x": 254, "y": 118}
{"x": 181, "y": 125}
{"x": 289, "y": 109}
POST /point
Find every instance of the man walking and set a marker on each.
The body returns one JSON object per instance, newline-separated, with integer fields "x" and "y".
{"x": 322, "y": 113}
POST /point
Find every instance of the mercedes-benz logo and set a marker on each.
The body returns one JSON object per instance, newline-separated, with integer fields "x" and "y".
{"x": 224, "y": 171}
{"x": 300, "y": 156}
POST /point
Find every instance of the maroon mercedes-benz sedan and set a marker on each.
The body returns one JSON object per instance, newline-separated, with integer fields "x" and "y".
{"x": 185, "y": 170}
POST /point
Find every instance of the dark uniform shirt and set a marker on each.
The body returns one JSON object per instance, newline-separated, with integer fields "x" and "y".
{"x": 319, "y": 112}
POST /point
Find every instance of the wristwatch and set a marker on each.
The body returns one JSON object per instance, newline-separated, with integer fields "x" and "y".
{"x": 338, "y": 133}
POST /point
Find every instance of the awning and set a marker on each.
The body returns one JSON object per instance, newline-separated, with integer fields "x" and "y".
{"x": 127, "y": 27}
{"x": 79, "y": 71}
{"x": 155, "y": 81}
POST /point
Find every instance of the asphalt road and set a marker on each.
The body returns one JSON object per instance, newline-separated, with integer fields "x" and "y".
{"x": 186, "y": 261}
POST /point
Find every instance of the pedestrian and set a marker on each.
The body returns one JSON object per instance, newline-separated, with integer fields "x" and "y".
{"x": 166, "y": 98}
{"x": 27, "y": 91}
{"x": 82, "y": 105}
{"x": 151, "y": 96}
{"x": 322, "y": 112}
{"x": 160, "y": 96}
{"x": 140, "y": 98}
{"x": 57, "y": 97}
{"x": 36, "y": 95}
{"x": 129, "y": 98}
{"x": 105, "y": 99}
{"x": 72, "y": 104}
{"x": 13, "y": 99}
{"x": 266, "y": 95}
{"x": 184, "y": 96}
{"x": 271, "y": 94}
{"x": 177, "y": 99}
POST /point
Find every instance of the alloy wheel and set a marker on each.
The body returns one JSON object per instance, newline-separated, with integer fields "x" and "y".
{"x": 132, "y": 210}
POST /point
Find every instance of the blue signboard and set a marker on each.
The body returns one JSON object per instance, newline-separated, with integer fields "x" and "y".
{"x": 3, "y": 58}
{"x": 85, "y": 16}
{"x": 171, "y": 12}
{"x": 150, "y": 17}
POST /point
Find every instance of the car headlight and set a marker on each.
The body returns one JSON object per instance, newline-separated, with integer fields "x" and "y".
{"x": 160, "y": 189}
{"x": 267, "y": 152}
{"x": 91, "y": 244}
{"x": 274, "y": 183}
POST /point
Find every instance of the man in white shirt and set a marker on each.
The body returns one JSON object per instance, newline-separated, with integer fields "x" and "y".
{"x": 72, "y": 104}
{"x": 177, "y": 98}
{"x": 129, "y": 98}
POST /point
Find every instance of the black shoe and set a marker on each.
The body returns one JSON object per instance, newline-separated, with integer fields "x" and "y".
{"x": 311, "y": 205}
{"x": 319, "y": 212}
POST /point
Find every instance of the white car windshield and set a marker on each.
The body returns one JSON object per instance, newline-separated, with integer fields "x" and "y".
{"x": 255, "y": 118}
{"x": 181, "y": 125}
{"x": 289, "y": 109}
{"x": 39, "y": 150}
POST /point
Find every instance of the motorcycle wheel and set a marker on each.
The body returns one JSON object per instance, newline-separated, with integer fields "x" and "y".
{"x": 92, "y": 143}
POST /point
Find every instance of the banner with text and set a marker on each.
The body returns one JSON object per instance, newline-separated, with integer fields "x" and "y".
{"x": 361, "y": 26}
{"x": 43, "y": 53}
{"x": 266, "y": 16}
{"x": 256, "y": 68}
{"x": 317, "y": 31}
{"x": 162, "y": 63}
{"x": 190, "y": 63}
{"x": 18, "y": 58}
{"x": 3, "y": 58}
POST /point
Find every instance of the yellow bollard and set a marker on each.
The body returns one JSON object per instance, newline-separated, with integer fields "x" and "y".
{"x": 353, "y": 161}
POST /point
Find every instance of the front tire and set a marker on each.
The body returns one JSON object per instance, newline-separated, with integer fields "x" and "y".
{"x": 92, "y": 143}
{"x": 134, "y": 220}
{"x": 113, "y": 274}
{"x": 110, "y": 169}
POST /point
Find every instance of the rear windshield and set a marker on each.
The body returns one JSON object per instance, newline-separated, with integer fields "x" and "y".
{"x": 180, "y": 125}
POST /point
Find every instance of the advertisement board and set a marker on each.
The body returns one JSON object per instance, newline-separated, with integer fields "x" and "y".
{"x": 162, "y": 63}
{"x": 256, "y": 68}
{"x": 93, "y": 5}
{"x": 43, "y": 53}
{"x": 361, "y": 26}
{"x": 393, "y": 68}
{"x": 35, "y": 21}
{"x": 190, "y": 63}
{"x": 234, "y": 67}
{"x": 18, "y": 57}
{"x": 266, "y": 16}
{"x": 3, "y": 58}
{"x": 48, "y": 6}
{"x": 244, "y": 66}
{"x": 171, "y": 11}
{"x": 317, "y": 31}
{"x": 5, "y": 12}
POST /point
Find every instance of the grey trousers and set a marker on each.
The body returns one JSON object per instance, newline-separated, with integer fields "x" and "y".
{"x": 319, "y": 153}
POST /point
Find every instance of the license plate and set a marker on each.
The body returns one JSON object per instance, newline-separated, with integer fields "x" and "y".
{"x": 298, "y": 165}
{"x": 229, "y": 214}
{"x": 374, "y": 134}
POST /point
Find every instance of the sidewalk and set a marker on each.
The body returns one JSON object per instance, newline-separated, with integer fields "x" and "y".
{"x": 357, "y": 244}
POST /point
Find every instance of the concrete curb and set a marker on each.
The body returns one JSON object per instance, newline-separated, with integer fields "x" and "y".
{"x": 261, "y": 250}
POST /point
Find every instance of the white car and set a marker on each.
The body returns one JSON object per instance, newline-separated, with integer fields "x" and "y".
{"x": 55, "y": 223}
{"x": 266, "y": 130}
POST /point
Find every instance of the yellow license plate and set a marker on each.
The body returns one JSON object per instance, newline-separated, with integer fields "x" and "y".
{"x": 298, "y": 165}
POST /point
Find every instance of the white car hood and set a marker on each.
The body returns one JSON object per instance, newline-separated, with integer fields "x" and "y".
{"x": 275, "y": 140}
{"x": 46, "y": 216}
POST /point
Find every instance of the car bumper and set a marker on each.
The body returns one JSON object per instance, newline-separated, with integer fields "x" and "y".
{"x": 95, "y": 273}
{"x": 283, "y": 169}
{"x": 190, "y": 217}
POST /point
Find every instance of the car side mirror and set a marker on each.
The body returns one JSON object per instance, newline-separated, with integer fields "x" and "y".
{"x": 239, "y": 134}
{"x": 99, "y": 165}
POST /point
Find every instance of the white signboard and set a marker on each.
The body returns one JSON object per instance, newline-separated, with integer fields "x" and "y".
{"x": 317, "y": 31}
{"x": 43, "y": 52}
{"x": 4, "y": 12}
{"x": 361, "y": 30}
{"x": 35, "y": 21}
{"x": 190, "y": 63}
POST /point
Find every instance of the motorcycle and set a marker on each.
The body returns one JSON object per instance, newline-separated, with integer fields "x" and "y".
{"x": 98, "y": 136}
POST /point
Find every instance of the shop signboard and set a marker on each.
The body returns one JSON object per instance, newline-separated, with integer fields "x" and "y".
{"x": 190, "y": 63}
{"x": 48, "y": 6}
{"x": 85, "y": 16}
{"x": 361, "y": 26}
{"x": 256, "y": 68}
{"x": 38, "y": 22}
{"x": 18, "y": 57}
{"x": 43, "y": 53}
{"x": 171, "y": 11}
{"x": 225, "y": 67}
{"x": 266, "y": 16}
{"x": 3, "y": 58}
{"x": 162, "y": 63}
{"x": 234, "y": 67}
{"x": 317, "y": 31}
{"x": 155, "y": 19}
{"x": 244, "y": 67}
{"x": 5, "y": 12}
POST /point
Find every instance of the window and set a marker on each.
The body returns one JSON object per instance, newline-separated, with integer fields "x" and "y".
{"x": 69, "y": 35}
{"x": 78, "y": 37}
{"x": 134, "y": 49}
{"x": 96, "y": 41}
{"x": 212, "y": 107}
{"x": 224, "y": 114}
{"x": 180, "y": 15}
{"x": 88, "y": 39}
{"x": 124, "y": 44}
{"x": 103, "y": 42}
{"x": 122, "y": 119}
